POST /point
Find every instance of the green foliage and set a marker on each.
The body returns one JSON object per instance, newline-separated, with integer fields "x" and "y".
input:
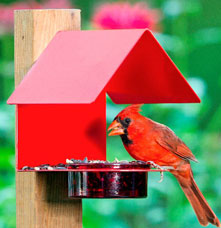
{"x": 191, "y": 35}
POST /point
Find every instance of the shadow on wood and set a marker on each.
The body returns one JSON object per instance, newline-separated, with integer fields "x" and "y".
{"x": 53, "y": 187}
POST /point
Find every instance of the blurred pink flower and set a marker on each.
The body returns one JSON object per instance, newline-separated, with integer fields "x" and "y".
{"x": 123, "y": 15}
{"x": 57, "y": 4}
{"x": 7, "y": 11}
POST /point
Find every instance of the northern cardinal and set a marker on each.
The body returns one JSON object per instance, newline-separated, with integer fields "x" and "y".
{"x": 147, "y": 140}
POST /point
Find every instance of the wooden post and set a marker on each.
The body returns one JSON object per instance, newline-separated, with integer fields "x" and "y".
{"x": 41, "y": 198}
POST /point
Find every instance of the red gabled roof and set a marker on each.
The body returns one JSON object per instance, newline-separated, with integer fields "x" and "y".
{"x": 129, "y": 64}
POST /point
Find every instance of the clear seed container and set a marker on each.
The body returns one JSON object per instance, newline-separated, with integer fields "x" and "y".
{"x": 108, "y": 180}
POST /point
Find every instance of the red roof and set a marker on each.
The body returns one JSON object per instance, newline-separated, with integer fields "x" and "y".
{"x": 130, "y": 65}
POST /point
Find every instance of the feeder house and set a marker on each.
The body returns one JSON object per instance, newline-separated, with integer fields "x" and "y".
{"x": 61, "y": 102}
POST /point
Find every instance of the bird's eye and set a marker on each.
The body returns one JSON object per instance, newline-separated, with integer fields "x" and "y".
{"x": 127, "y": 120}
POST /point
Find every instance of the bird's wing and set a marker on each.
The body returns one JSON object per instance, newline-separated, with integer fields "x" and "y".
{"x": 166, "y": 138}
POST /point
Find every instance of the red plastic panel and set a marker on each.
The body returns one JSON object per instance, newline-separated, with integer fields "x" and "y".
{"x": 77, "y": 65}
{"x": 148, "y": 75}
{"x": 52, "y": 133}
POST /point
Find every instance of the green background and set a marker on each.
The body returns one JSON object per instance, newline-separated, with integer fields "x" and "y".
{"x": 191, "y": 34}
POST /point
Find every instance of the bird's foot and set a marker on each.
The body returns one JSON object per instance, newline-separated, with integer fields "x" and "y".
{"x": 154, "y": 165}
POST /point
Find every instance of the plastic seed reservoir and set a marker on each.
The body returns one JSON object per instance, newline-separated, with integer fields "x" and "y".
{"x": 108, "y": 180}
{"x": 102, "y": 179}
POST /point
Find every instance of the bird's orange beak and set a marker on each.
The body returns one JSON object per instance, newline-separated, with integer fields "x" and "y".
{"x": 115, "y": 128}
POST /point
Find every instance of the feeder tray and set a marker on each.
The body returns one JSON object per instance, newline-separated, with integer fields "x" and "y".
{"x": 108, "y": 180}
{"x": 103, "y": 179}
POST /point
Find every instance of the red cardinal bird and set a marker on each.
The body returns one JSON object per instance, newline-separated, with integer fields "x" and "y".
{"x": 147, "y": 140}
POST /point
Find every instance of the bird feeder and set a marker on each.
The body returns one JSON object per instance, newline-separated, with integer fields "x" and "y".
{"x": 61, "y": 105}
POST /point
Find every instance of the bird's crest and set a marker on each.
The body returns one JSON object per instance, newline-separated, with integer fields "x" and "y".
{"x": 133, "y": 108}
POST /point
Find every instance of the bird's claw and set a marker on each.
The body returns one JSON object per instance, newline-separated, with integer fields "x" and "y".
{"x": 161, "y": 177}
{"x": 154, "y": 165}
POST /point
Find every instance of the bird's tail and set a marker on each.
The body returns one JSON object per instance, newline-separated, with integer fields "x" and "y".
{"x": 202, "y": 209}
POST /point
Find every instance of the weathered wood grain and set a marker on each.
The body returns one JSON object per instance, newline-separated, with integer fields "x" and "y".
{"x": 41, "y": 198}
